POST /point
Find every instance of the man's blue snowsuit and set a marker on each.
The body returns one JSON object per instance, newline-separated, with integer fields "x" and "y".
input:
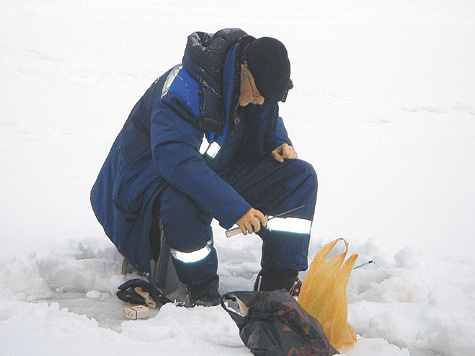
{"x": 156, "y": 162}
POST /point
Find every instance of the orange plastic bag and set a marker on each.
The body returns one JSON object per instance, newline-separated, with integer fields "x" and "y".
{"x": 323, "y": 294}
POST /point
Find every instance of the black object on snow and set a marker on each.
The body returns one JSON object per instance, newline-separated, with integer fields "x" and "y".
{"x": 127, "y": 292}
{"x": 274, "y": 324}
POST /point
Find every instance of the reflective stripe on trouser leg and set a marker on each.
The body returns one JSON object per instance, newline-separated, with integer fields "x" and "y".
{"x": 285, "y": 244}
{"x": 195, "y": 271}
{"x": 192, "y": 256}
{"x": 290, "y": 224}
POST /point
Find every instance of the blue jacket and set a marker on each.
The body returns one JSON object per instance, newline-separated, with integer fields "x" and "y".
{"x": 160, "y": 142}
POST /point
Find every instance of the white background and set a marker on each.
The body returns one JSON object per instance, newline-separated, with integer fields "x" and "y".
{"x": 383, "y": 107}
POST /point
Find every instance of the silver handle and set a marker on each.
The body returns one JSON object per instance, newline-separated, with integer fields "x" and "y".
{"x": 233, "y": 231}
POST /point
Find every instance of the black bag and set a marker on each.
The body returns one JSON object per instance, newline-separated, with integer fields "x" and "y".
{"x": 274, "y": 324}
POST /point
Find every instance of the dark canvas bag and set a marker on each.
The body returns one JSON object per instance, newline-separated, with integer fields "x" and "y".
{"x": 274, "y": 324}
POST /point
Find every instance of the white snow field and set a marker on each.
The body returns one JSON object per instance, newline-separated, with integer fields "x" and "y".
{"x": 383, "y": 107}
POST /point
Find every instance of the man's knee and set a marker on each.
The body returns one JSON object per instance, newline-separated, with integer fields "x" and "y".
{"x": 186, "y": 227}
{"x": 306, "y": 171}
{"x": 303, "y": 178}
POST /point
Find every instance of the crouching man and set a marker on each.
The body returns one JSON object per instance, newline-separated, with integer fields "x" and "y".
{"x": 205, "y": 141}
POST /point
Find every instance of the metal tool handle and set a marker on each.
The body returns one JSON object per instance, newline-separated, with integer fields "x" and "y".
{"x": 237, "y": 230}
{"x": 233, "y": 231}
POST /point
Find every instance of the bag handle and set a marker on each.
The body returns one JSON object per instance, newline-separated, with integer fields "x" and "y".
{"x": 238, "y": 318}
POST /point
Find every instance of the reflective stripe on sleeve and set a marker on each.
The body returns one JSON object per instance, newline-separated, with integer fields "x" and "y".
{"x": 170, "y": 78}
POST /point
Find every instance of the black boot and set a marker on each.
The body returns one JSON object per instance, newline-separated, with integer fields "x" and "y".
{"x": 206, "y": 294}
{"x": 278, "y": 279}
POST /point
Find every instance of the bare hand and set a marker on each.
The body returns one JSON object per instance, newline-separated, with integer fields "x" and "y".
{"x": 283, "y": 152}
{"x": 251, "y": 221}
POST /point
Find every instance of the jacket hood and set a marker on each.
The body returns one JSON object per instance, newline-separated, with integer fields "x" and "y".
{"x": 205, "y": 57}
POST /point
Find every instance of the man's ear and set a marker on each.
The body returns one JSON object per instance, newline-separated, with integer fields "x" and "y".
{"x": 244, "y": 68}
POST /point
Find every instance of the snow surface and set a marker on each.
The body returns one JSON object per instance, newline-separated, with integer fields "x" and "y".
{"x": 383, "y": 107}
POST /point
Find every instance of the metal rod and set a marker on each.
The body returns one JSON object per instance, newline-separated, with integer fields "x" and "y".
{"x": 364, "y": 264}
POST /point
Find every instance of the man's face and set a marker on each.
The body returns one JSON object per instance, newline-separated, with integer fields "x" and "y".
{"x": 249, "y": 93}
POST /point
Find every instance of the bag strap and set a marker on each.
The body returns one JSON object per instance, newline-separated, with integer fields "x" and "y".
{"x": 238, "y": 318}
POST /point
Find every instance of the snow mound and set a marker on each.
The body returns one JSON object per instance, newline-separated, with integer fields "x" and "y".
{"x": 396, "y": 306}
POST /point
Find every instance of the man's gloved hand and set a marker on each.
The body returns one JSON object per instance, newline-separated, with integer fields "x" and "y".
{"x": 136, "y": 291}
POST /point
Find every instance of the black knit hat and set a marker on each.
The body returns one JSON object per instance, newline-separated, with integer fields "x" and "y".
{"x": 269, "y": 64}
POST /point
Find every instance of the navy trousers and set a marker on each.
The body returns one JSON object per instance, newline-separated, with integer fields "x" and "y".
{"x": 269, "y": 186}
